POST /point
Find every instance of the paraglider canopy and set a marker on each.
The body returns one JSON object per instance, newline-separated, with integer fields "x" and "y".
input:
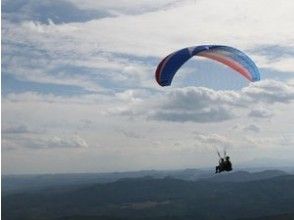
{"x": 226, "y": 55}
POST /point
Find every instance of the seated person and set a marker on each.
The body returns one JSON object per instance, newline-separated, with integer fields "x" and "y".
{"x": 220, "y": 166}
{"x": 224, "y": 165}
{"x": 227, "y": 164}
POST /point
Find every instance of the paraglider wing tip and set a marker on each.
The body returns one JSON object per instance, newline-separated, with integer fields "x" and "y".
{"x": 164, "y": 83}
{"x": 256, "y": 78}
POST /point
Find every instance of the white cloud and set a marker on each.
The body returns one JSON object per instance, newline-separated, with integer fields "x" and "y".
{"x": 91, "y": 73}
{"x": 155, "y": 33}
{"x": 198, "y": 104}
{"x": 71, "y": 142}
{"x": 14, "y": 129}
{"x": 43, "y": 142}
{"x": 269, "y": 142}
{"x": 194, "y": 104}
{"x": 269, "y": 92}
{"x": 283, "y": 64}
{"x": 116, "y": 136}
{"x": 99, "y": 50}
{"x": 205, "y": 115}
{"x": 213, "y": 140}
{"x": 114, "y": 58}
{"x": 252, "y": 128}
{"x": 124, "y": 6}
{"x": 130, "y": 134}
{"x": 260, "y": 113}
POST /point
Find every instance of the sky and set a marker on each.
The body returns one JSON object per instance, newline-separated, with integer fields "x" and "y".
{"x": 79, "y": 93}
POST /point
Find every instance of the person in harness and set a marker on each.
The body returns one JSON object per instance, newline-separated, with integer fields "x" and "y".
{"x": 227, "y": 164}
{"x": 220, "y": 166}
{"x": 224, "y": 164}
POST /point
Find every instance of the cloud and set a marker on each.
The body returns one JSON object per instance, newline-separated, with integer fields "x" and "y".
{"x": 202, "y": 116}
{"x": 45, "y": 11}
{"x": 125, "y": 6}
{"x": 68, "y": 142}
{"x": 276, "y": 57}
{"x": 287, "y": 140}
{"x": 98, "y": 73}
{"x": 252, "y": 128}
{"x": 273, "y": 52}
{"x": 191, "y": 98}
{"x": 8, "y": 145}
{"x": 131, "y": 95}
{"x": 118, "y": 37}
{"x": 207, "y": 105}
{"x": 166, "y": 39}
{"x": 270, "y": 92}
{"x": 80, "y": 54}
{"x": 196, "y": 104}
{"x": 37, "y": 142}
{"x": 260, "y": 113}
{"x": 34, "y": 97}
{"x": 14, "y": 129}
{"x": 203, "y": 105}
{"x": 131, "y": 134}
{"x": 213, "y": 140}
{"x": 91, "y": 48}
{"x": 270, "y": 142}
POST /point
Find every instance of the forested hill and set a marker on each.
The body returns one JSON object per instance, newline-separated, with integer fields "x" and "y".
{"x": 150, "y": 198}
{"x": 20, "y": 183}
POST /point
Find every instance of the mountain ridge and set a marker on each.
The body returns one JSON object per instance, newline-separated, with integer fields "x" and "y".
{"x": 153, "y": 198}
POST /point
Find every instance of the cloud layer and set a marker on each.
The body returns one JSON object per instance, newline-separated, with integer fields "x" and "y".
{"x": 78, "y": 83}
{"x": 198, "y": 104}
{"x": 81, "y": 54}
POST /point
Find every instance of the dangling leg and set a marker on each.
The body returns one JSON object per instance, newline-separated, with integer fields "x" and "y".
{"x": 221, "y": 169}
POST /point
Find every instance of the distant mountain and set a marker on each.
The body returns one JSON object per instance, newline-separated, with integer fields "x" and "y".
{"x": 150, "y": 198}
{"x": 22, "y": 183}
{"x": 243, "y": 176}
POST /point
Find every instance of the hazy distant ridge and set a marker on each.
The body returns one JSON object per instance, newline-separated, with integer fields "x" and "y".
{"x": 150, "y": 198}
{"x": 19, "y": 183}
